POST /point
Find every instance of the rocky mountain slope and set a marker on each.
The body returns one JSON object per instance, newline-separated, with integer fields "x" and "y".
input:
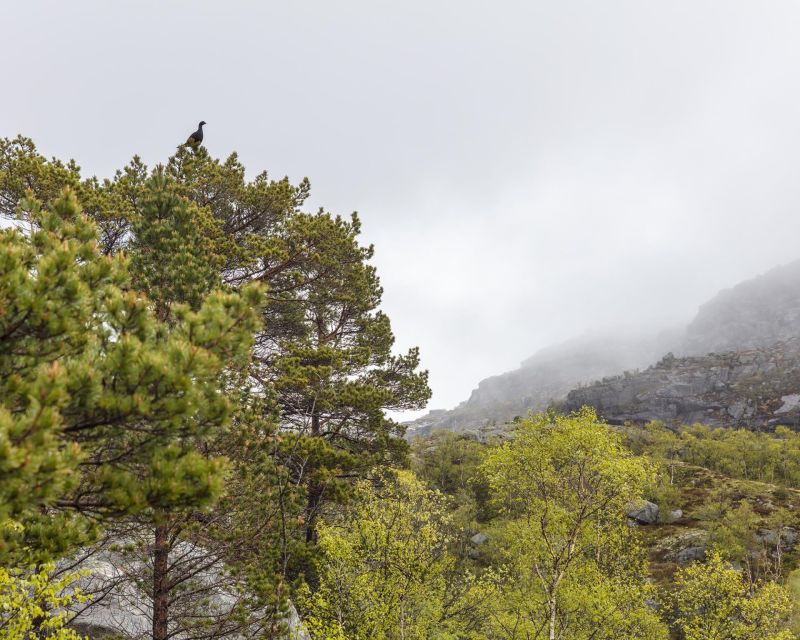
{"x": 753, "y": 388}
{"x": 740, "y": 364}
{"x": 737, "y": 365}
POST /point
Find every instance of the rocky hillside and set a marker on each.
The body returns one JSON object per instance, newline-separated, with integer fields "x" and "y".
{"x": 738, "y": 363}
{"x": 741, "y": 364}
{"x": 753, "y": 388}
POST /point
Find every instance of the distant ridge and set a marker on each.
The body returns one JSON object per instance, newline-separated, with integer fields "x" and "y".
{"x": 547, "y": 377}
{"x": 758, "y": 319}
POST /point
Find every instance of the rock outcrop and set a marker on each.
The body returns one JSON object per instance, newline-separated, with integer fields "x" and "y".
{"x": 644, "y": 512}
{"x": 691, "y": 554}
{"x": 755, "y": 388}
{"x": 119, "y": 609}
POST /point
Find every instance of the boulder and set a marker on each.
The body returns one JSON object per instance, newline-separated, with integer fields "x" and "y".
{"x": 691, "y": 554}
{"x": 787, "y": 537}
{"x": 478, "y": 539}
{"x": 643, "y": 512}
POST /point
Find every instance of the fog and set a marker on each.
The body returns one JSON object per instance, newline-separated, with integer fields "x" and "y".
{"x": 527, "y": 171}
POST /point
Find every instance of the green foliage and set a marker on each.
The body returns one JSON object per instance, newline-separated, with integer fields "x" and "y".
{"x": 174, "y": 249}
{"x": 89, "y": 376}
{"x": 33, "y": 604}
{"x": 758, "y": 544}
{"x": 793, "y": 585}
{"x": 714, "y": 602}
{"x": 255, "y": 527}
{"x": 737, "y": 453}
{"x": 23, "y": 172}
{"x": 332, "y": 366}
{"x": 385, "y": 567}
{"x": 325, "y": 349}
{"x": 449, "y": 462}
{"x": 153, "y": 381}
{"x": 573, "y": 567}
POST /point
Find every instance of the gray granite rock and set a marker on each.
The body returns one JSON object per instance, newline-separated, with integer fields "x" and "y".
{"x": 785, "y": 537}
{"x": 691, "y": 554}
{"x": 478, "y": 539}
{"x": 643, "y": 512}
{"x": 122, "y": 611}
{"x": 675, "y": 515}
{"x": 735, "y": 389}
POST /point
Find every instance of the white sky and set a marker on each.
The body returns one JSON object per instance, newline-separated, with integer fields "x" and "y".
{"x": 526, "y": 170}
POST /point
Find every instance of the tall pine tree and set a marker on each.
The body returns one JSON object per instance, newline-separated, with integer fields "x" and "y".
{"x": 98, "y": 397}
{"x": 324, "y": 355}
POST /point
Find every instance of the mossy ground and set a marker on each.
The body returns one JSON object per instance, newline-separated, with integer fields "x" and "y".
{"x": 704, "y": 497}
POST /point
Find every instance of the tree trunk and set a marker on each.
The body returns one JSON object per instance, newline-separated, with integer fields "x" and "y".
{"x": 312, "y": 508}
{"x": 314, "y": 490}
{"x": 552, "y": 604}
{"x": 161, "y": 583}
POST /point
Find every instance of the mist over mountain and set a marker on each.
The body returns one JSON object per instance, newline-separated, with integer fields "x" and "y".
{"x": 755, "y": 313}
{"x": 751, "y": 327}
{"x": 549, "y": 375}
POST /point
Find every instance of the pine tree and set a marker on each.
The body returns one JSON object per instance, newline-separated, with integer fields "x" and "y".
{"x": 177, "y": 256}
{"x": 332, "y": 366}
{"x": 25, "y": 172}
{"x": 99, "y": 398}
{"x": 326, "y": 348}
{"x": 324, "y": 355}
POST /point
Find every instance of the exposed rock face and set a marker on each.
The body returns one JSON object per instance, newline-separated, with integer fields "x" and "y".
{"x": 120, "y": 610}
{"x": 685, "y": 546}
{"x": 753, "y": 388}
{"x": 783, "y": 539}
{"x": 691, "y": 554}
{"x": 478, "y": 539}
{"x": 741, "y": 369}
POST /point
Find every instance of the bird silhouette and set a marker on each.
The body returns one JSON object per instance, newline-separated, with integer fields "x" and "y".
{"x": 196, "y": 138}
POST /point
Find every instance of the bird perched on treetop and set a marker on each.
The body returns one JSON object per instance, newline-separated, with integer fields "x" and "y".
{"x": 196, "y": 138}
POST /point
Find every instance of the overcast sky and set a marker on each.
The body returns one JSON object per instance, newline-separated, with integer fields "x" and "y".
{"x": 526, "y": 170}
